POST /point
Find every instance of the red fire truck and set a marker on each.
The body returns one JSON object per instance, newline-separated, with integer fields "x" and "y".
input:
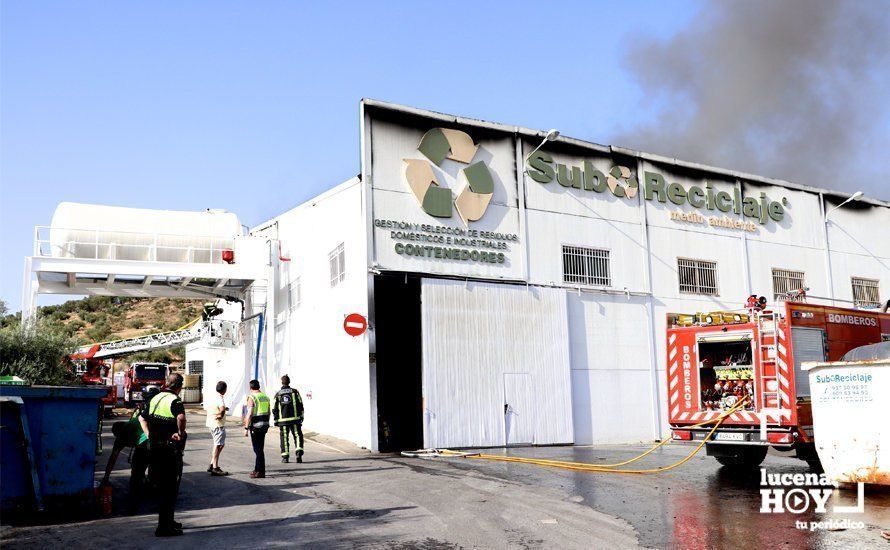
{"x": 139, "y": 377}
{"x": 95, "y": 372}
{"x": 715, "y": 360}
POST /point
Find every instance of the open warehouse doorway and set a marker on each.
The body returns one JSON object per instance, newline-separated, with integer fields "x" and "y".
{"x": 399, "y": 358}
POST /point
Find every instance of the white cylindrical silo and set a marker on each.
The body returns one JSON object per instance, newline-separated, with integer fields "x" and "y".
{"x": 118, "y": 233}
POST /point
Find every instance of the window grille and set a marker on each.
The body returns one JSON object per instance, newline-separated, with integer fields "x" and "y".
{"x": 697, "y": 276}
{"x": 785, "y": 281}
{"x": 865, "y": 292}
{"x": 337, "y": 258}
{"x": 586, "y": 266}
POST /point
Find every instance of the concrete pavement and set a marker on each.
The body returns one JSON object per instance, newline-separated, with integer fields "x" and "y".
{"x": 346, "y": 497}
{"x": 340, "y": 497}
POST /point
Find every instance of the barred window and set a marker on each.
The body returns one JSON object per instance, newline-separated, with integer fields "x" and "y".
{"x": 586, "y": 266}
{"x": 293, "y": 294}
{"x": 697, "y": 276}
{"x": 785, "y": 281}
{"x": 865, "y": 292}
{"x": 337, "y": 258}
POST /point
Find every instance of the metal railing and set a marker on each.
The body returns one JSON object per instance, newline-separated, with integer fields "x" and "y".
{"x": 96, "y": 244}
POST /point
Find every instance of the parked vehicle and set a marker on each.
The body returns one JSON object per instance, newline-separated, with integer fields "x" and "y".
{"x": 139, "y": 377}
{"x": 95, "y": 372}
{"x": 714, "y": 360}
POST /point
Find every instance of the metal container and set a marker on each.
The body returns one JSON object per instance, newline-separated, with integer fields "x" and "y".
{"x": 48, "y": 443}
{"x": 190, "y": 395}
{"x": 191, "y": 381}
{"x": 850, "y": 412}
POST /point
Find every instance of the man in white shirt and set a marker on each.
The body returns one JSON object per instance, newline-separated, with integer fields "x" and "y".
{"x": 216, "y": 421}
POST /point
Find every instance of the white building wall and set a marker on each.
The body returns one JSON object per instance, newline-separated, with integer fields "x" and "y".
{"x": 611, "y": 371}
{"x": 615, "y": 335}
{"x": 328, "y": 367}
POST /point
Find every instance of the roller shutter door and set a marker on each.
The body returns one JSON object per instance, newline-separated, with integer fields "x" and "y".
{"x": 808, "y": 345}
{"x": 483, "y": 340}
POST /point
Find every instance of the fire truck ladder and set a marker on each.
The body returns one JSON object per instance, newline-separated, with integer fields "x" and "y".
{"x": 767, "y": 340}
{"x": 161, "y": 340}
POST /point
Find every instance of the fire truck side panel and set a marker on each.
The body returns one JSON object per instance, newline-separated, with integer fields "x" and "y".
{"x": 682, "y": 383}
{"x": 784, "y": 367}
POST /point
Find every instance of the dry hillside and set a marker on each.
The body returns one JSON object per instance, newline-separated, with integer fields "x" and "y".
{"x": 103, "y": 318}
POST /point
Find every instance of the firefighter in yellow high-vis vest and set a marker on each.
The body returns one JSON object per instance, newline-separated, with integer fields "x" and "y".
{"x": 256, "y": 424}
{"x": 163, "y": 421}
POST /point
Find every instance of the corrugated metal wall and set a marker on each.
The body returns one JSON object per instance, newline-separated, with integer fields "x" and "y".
{"x": 474, "y": 334}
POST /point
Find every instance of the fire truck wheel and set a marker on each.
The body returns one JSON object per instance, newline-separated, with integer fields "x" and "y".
{"x": 737, "y": 456}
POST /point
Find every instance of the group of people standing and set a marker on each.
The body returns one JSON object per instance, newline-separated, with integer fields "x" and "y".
{"x": 285, "y": 409}
{"x": 157, "y": 434}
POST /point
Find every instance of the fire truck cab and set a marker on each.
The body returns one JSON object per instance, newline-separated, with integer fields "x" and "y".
{"x": 139, "y": 377}
{"x": 715, "y": 360}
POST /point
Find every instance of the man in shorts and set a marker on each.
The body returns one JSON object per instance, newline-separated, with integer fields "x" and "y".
{"x": 216, "y": 421}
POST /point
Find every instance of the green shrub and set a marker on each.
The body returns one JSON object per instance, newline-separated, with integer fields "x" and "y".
{"x": 99, "y": 332}
{"x": 136, "y": 322}
{"x": 36, "y": 355}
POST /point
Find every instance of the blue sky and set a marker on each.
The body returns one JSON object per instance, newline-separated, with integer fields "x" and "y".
{"x": 253, "y": 106}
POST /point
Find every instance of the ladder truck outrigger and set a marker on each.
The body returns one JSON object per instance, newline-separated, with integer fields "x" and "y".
{"x": 715, "y": 360}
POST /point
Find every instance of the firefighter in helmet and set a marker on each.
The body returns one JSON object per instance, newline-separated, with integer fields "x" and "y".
{"x": 288, "y": 413}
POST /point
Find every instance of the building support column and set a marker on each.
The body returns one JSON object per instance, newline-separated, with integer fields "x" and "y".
{"x": 829, "y": 278}
{"x": 749, "y": 286}
{"x": 654, "y": 386}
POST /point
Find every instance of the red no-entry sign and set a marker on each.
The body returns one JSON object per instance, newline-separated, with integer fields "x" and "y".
{"x": 355, "y": 324}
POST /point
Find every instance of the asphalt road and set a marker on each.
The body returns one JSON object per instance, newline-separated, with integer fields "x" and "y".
{"x": 699, "y": 504}
{"x": 345, "y": 497}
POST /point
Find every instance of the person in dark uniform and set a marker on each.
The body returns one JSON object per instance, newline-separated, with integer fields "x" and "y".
{"x": 130, "y": 434}
{"x": 163, "y": 421}
{"x": 256, "y": 424}
{"x": 287, "y": 410}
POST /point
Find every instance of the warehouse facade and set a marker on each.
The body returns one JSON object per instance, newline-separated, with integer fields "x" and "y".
{"x": 519, "y": 294}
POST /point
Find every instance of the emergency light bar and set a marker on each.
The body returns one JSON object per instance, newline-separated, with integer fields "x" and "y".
{"x": 712, "y": 318}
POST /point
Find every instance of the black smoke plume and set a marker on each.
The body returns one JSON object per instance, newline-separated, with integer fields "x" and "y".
{"x": 791, "y": 89}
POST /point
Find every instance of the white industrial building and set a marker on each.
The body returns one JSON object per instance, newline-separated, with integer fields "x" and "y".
{"x": 517, "y": 292}
{"x": 536, "y": 312}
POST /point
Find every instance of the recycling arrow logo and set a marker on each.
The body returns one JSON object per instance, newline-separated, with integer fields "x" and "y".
{"x": 437, "y": 145}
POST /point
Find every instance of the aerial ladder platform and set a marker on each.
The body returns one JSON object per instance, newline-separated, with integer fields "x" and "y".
{"x": 219, "y": 331}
